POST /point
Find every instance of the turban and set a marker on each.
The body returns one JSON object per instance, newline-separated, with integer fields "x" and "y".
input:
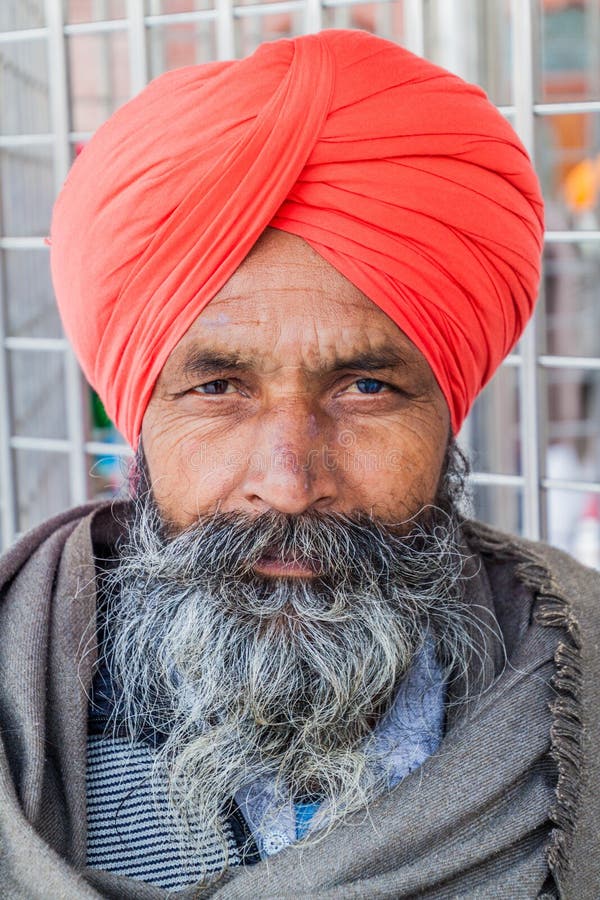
{"x": 401, "y": 175}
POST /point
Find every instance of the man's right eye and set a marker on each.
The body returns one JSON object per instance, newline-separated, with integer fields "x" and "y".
{"x": 217, "y": 387}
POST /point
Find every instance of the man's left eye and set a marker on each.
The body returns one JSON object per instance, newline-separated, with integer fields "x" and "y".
{"x": 369, "y": 385}
{"x": 219, "y": 386}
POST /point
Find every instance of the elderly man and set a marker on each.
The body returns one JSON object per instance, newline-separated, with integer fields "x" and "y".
{"x": 286, "y": 666}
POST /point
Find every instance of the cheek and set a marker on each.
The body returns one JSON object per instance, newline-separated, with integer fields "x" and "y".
{"x": 189, "y": 473}
{"x": 207, "y": 467}
{"x": 403, "y": 474}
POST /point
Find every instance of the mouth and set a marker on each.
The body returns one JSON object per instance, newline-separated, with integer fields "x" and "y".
{"x": 275, "y": 564}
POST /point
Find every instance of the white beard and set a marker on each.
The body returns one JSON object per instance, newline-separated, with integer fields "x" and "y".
{"x": 251, "y": 677}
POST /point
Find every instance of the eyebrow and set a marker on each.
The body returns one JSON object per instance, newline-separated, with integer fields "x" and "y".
{"x": 198, "y": 363}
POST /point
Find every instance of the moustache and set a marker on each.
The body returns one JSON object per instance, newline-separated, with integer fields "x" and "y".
{"x": 327, "y": 545}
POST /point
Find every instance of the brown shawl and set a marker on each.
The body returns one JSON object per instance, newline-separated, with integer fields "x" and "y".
{"x": 512, "y": 792}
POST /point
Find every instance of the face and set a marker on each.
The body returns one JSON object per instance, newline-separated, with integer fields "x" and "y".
{"x": 293, "y": 392}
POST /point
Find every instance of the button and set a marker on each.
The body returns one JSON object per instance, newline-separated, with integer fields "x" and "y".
{"x": 275, "y": 842}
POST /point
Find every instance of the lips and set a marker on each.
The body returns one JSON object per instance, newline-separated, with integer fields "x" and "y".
{"x": 275, "y": 564}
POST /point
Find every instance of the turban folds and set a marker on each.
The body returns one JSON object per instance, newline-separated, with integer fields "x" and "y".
{"x": 401, "y": 175}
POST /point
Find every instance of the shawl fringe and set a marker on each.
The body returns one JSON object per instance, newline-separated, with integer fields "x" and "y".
{"x": 552, "y": 610}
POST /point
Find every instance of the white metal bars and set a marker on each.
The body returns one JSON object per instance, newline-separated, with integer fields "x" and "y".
{"x": 523, "y": 77}
{"x": 59, "y": 105}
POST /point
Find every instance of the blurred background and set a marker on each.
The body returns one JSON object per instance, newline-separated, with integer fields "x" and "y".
{"x": 533, "y": 435}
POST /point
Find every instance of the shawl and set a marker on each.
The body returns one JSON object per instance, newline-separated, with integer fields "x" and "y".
{"x": 472, "y": 821}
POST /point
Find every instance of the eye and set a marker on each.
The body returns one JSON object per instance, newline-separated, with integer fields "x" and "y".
{"x": 369, "y": 385}
{"x": 217, "y": 387}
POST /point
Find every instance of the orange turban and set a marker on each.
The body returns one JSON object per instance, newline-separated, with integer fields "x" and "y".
{"x": 402, "y": 176}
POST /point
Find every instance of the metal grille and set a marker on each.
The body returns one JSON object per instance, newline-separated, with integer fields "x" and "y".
{"x": 64, "y": 67}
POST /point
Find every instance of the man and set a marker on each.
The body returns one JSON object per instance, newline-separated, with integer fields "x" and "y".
{"x": 287, "y": 667}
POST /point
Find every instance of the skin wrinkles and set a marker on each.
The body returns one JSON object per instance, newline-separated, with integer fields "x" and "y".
{"x": 287, "y": 433}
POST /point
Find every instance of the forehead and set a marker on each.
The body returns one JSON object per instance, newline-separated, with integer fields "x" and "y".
{"x": 285, "y": 304}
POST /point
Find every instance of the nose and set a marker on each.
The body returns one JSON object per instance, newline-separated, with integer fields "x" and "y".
{"x": 290, "y": 469}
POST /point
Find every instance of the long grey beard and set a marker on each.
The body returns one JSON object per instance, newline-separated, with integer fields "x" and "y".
{"x": 248, "y": 676}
